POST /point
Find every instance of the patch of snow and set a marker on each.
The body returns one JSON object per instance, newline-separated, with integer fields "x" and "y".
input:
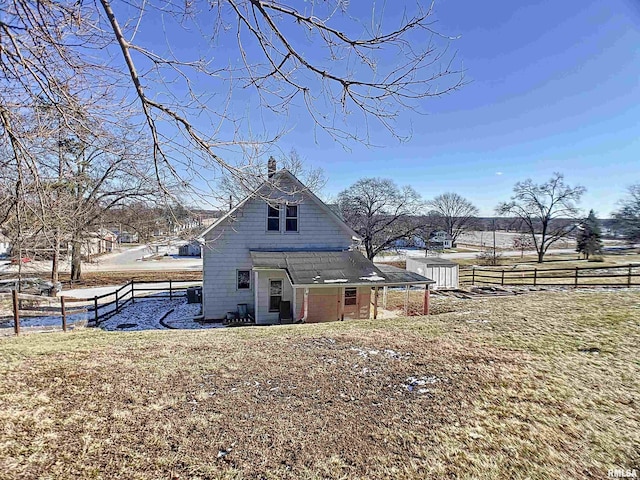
{"x": 373, "y": 278}
{"x": 413, "y": 382}
{"x": 387, "y": 353}
{"x": 336, "y": 280}
{"x": 186, "y": 315}
{"x": 144, "y": 314}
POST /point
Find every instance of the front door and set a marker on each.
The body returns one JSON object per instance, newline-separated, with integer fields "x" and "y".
{"x": 350, "y": 299}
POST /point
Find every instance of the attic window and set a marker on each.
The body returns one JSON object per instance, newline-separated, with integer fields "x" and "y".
{"x": 291, "y": 220}
{"x": 273, "y": 218}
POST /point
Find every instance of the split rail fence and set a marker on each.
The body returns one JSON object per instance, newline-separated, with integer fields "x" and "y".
{"x": 611, "y": 276}
{"x": 15, "y": 306}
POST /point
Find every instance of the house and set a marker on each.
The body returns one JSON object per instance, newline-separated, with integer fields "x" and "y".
{"x": 442, "y": 271}
{"x": 440, "y": 239}
{"x": 5, "y": 245}
{"x": 191, "y": 249}
{"x": 98, "y": 242}
{"x": 127, "y": 237}
{"x": 283, "y": 255}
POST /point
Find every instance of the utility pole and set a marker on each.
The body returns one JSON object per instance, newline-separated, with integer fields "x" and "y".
{"x": 494, "y": 241}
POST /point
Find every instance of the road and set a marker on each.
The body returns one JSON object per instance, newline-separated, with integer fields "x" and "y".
{"x": 138, "y": 258}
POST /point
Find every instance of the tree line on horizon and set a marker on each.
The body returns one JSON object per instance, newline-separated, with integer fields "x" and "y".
{"x": 383, "y": 213}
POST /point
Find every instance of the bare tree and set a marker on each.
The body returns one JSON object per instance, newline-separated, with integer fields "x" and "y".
{"x": 627, "y": 218}
{"x": 547, "y": 210}
{"x": 66, "y": 175}
{"x": 380, "y": 212}
{"x": 255, "y": 173}
{"x": 427, "y": 224}
{"x": 454, "y": 213}
{"x": 522, "y": 242}
{"x": 348, "y": 71}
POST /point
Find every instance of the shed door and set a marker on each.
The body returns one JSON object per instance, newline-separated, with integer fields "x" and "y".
{"x": 350, "y": 300}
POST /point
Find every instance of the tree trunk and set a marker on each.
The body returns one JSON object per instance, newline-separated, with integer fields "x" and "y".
{"x": 540, "y": 255}
{"x": 55, "y": 263}
{"x": 76, "y": 259}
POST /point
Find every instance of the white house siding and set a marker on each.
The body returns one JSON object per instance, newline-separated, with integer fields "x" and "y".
{"x": 264, "y": 277}
{"x": 227, "y": 248}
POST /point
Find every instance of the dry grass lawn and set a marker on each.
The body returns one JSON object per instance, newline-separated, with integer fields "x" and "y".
{"x": 537, "y": 386}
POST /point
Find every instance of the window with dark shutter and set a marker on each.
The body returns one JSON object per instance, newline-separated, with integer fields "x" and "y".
{"x": 273, "y": 219}
{"x": 291, "y": 218}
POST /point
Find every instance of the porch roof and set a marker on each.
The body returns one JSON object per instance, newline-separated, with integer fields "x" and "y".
{"x": 333, "y": 268}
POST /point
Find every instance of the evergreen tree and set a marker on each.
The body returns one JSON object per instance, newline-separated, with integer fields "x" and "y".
{"x": 589, "y": 241}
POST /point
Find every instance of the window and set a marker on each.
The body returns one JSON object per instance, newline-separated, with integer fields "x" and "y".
{"x": 244, "y": 279}
{"x": 350, "y": 296}
{"x": 275, "y": 295}
{"x": 291, "y": 220}
{"x": 273, "y": 218}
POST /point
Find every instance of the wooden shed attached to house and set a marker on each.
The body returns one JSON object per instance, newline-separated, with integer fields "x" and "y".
{"x": 443, "y": 271}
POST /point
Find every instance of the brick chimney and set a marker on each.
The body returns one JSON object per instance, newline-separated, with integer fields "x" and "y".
{"x": 271, "y": 166}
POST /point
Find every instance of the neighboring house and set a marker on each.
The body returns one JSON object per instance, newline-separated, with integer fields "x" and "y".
{"x": 191, "y": 249}
{"x": 5, "y": 245}
{"x": 127, "y": 237}
{"x": 444, "y": 272}
{"x": 440, "y": 239}
{"x": 99, "y": 242}
{"x": 289, "y": 258}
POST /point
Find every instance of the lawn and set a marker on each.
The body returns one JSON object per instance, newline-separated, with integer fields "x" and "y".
{"x": 542, "y": 385}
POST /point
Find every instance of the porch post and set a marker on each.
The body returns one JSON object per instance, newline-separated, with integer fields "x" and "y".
{"x": 375, "y": 303}
{"x": 293, "y": 304}
{"x": 341, "y": 301}
{"x": 406, "y": 301}
{"x": 425, "y": 307}
{"x": 306, "y": 303}
{"x": 255, "y": 296}
{"x": 384, "y": 297}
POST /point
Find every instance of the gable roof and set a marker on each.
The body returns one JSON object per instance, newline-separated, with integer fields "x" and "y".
{"x": 284, "y": 173}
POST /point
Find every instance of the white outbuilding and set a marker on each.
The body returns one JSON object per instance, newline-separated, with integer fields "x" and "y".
{"x": 443, "y": 271}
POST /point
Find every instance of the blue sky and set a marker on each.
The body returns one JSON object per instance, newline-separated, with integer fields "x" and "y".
{"x": 554, "y": 86}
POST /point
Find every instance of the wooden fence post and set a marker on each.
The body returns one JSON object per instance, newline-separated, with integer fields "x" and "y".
{"x": 406, "y": 301}
{"x": 170, "y": 290}
{"x": 425, "y": 305}
{"x": 133, "y": 292}
{"x": 629, "y": 278}
{"x": 375, "y": 303}
{"x": 575, "y": 282}
{"x": 535, "y": 276}
{"x": 502, "y": 278}
{"x": 117, "y": 301}
{"x": 473, "y": 275}
{"x": 95, "y": 309}
{"x": 64, "y": 314}
{"x": 16, "y": 312}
